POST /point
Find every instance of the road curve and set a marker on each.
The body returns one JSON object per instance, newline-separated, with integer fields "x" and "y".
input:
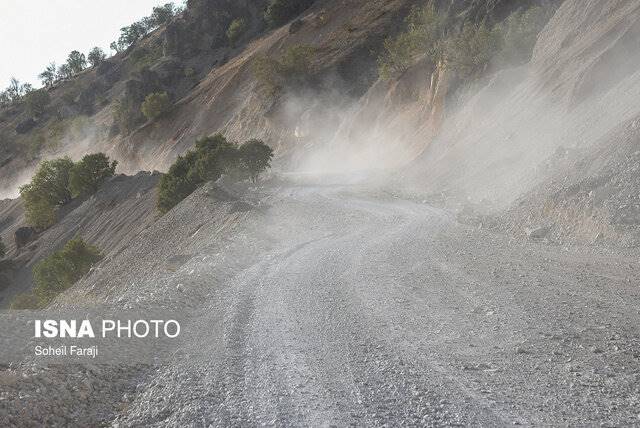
{"x": 379, "y": 311}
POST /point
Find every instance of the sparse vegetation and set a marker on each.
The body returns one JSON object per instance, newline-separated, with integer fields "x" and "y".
{"x": 48, "y": 76}
{"x": 255, "y": 157}
{"x": 76, "y": 61}
{"x": 3, "y": 249}
{"x": 469, "y": 52}
{"x": 281, "y": 11}
{"x": 211, "y": 158}
{"x": 155, "y": 105}
{"x": 188, "y": 172}
{"x": 37, "y": 102}
{"x": 48, "y": 189}
{"x": 130, "y": 34}
{"x": 126, "y": 114}
{"x": 143, "y": 57}
{"x": 236, "y": 30}
{"x": 57, "y": 273}
{"x": 292, "y": 69}
{"x": 14, "y": 92}
{"x": 57, "y": 181}
{"x": 96, "y": 56}
{"x": 423, "y": 37}
{"x": 87, "y": 175}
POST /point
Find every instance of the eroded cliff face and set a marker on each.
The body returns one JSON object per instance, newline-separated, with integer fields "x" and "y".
{"x": 555, "y": 141}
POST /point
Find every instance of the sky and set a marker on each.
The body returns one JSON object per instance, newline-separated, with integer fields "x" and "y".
{"x": 35, "y": 32}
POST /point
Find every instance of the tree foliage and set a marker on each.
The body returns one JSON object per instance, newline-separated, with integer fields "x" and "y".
{"x": 96, "y": 56}
{"x": 131, "y": 33}
{"x": 48, "y": 189}
{"x": 423, "y": 37}
{"x": 76, "y": 61}
{"x": 155, "y": 105}
{"x": 57, "y": 181}
{"x": 209, "y": 160}
{"x": 255, "y": 157}
{"x": 37, "y": 102}
{"x": 236, "y": 29}
{"x": 469, "y": 52}
{"x": 62, "y": 269}
{"x": 281, "y": 11}
{"x": 48, "y": 76}
{"x": 15, "y": 92}
{"x": 292, "y": 69}
{"x": 87, "y": 175}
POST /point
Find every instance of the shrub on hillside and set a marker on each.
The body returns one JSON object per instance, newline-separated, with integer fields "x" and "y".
{"x": 281, "y": 11}
{"x": 87, "y": 175}
{"x": 255, "y": 157}
{"x": 471, "y": 50}
{"x": 48, "y": 189}
{"x": 37, "y": 102}
{"x": 57, "y": 181}
{"x": 3, "y": 249}
{"x": 423, "y": 37}
{"x": 62, "y": 269}
{"x": 155, "y": 105}
{"x": 236, "y": 29}
{"x": 96, "y": 56}
{"x": 211, "y": 158}
{"x": 293, "y": 68}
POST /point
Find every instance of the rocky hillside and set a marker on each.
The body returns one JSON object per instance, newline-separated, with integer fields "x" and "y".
{"x": 213, "y": 87}
{"x": 111, "y": 219}
{"x": 556, "y": 136}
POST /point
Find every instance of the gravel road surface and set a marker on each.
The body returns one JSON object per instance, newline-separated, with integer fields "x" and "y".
{"x": 371, "y": 310}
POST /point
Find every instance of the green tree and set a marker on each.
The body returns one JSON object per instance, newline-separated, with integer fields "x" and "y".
{"x": 423, "y": 37}
{"x": 76, "y": 62}
{"x": 291, "y": 70}
{"x": 37, "y": 102}
{"x": 62, "y": 269}
{"x": 281, "y": 11}
{"x": 64, "y": 72}
{"x": 155, "y": 105}
{"x": 255, "y": 157}
{"x": 216, "y": 156}
{"x": 96, "y": 56}
{"x": 236, "y": 29}
{"x": 470, "y": 51}
{"x": 48, "y": 76}
{"x": 48, "y": 189}
{"x": 87, "y": 175}
{"x": 212, "y": 157}
{"x": 162, "y": 14}
{"x": 179, "y": 182}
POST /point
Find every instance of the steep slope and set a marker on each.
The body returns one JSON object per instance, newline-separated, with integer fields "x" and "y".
{"x": 578, "y": 95}
{"x": 110, "y": 219}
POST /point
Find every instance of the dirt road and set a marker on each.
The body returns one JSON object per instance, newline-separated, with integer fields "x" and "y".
{"x": 377, "y": 311}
